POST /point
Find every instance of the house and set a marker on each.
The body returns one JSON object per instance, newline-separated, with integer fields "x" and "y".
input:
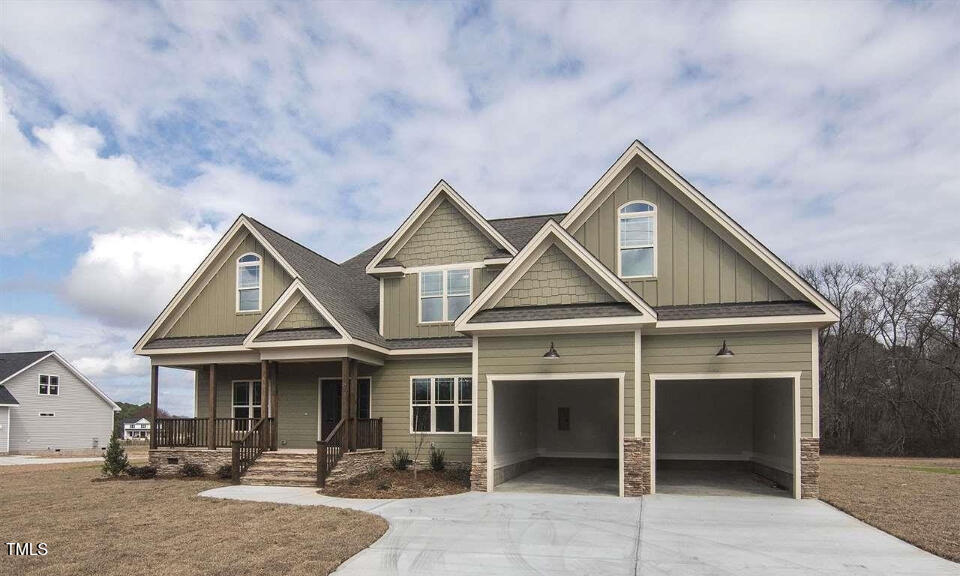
{"x": 47, "y": 405}
{"x": 642, "y": 332}
{"x": 136, "y": 429}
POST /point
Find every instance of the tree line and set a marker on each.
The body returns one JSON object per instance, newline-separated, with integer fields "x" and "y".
{"x": 890, "y": 368}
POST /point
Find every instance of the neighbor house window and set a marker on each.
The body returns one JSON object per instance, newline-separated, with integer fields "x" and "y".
{"x": 441, "y": 404}
{"x": 638, "y": 240}
{"x": 49, "y": 385}
{"x": 248, "y": 283}
{"x": 444, "y": 294}
{"x": 47, "y": 414}
{"x": 246, "y": 403}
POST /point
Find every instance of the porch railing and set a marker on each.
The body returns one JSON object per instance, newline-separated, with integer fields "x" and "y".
{"x": 330, "y": 450}
{"x": 369, "y": 434}
{"x": 192, "y": 432}
{"x": 247, "y": 449}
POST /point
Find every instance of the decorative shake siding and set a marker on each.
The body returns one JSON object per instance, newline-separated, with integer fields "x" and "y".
{"x": 83, "y": 418}
{"x": 578, "y": 353}
{"x": 445, "y": 237}
{"x": 401, "y": 308}
{"x": 554, "y": 279}
{"x": 303, "y": 315}
{"x": 695, "y": 265}
{"x": 787, "y": 351}
{"x": 214, "y": 311}
{"x": 391, "y": 401}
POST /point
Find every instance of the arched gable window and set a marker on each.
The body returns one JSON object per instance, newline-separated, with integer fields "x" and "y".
{"x": 249, "y": 282}
{"x": 637, "y": 227}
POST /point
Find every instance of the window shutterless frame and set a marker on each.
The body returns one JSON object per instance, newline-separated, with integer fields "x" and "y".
{"x": 460, "y": 382}
{"x": 445, "y": 292}
{"x": 621, "y": 216}
{"x": 249, "y": 405}
{"x": 250, "y": 260}
{"x": 48, "y": 385}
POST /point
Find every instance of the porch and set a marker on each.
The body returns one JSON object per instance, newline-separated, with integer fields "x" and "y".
{"x": 289, "y": 408}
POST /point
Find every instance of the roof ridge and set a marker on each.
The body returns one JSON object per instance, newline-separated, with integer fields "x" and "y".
{"x": 526, "y": 217}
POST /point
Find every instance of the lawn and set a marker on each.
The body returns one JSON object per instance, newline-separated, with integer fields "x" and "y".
{"x": 162, "y": 527}
{"x": 915, "y": 499}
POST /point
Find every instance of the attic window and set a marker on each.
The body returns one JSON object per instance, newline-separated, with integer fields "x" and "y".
{"x": 637, "y": 231}
{"x": 444, "y": 294}
{"x": 249, "y": 281}
{"x": 49, "y": 385}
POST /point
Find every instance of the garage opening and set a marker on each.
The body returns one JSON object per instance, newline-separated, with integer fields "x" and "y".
{"x": 725, "y": 436}
{"x": 556, "y": 436}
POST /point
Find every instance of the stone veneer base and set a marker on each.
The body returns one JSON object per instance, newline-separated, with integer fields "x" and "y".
{"x": 478, "y": 464}
{"x": 809, "y": 467}
{"x": 636, "y": 466}
{"x": 169, "y": 461}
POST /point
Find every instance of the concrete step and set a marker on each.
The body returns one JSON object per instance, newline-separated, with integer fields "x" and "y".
{"x": 287, "y": 456}
{"x": 278, "y": 481}
{"x": 282, "y": 470}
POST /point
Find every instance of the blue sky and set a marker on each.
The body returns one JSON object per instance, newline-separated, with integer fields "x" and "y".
{"x": 134, "y": 133}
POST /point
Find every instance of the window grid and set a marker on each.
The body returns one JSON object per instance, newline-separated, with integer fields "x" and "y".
{"x": 250, "y": 408}
{"x": 247, "y": 265}
{"x": 49, "y": 385}
{"x": 425, "y": 406}
{"x": 445, "y": 292}
{"x": 625, "y": 215}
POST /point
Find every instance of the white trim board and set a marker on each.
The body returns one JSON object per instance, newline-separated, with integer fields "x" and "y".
{"x": 794, "y": 376}
{"x": 72, "y": 370}
{"x": 284, "y": 304}
{"x": 638, "y": 151}
{"x": 548, "y": 377}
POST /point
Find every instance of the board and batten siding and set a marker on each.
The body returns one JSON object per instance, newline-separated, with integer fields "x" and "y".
{"x": 786, "y": 351}
{"x": 694, "y": 264}
{"x": 391, "y": 401}
{"x": 82, "y": 417}
{"x": 581, "y": 353}
{"x": 401, "y": 307}
{"x": 214, "y": 311}
{"x": 444, "y": 237}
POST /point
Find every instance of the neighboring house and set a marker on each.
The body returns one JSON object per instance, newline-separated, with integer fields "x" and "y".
{"x": 644, "y": 330}
{"x": 47, "y": 405}
{"x": 136, "y": 429}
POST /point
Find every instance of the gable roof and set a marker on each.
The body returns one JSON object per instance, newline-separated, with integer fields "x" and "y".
{"x": 552, "y": 234}
{"x": 271, "y": 320}
{"x": 418, "y": 216}
{"x": 6, "y": 398}
{"x": 638, "y": 151}
{"x": 14, "y": 363}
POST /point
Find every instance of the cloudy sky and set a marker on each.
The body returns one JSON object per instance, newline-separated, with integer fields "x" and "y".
{"x": 133, "y": 134}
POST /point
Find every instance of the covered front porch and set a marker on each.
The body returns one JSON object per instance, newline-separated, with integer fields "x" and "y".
{"x": 269, "y": 406}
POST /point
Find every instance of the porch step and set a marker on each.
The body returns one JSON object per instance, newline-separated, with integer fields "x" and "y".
{"x": 268, "y": 480}
{"x": 282, "y": 469}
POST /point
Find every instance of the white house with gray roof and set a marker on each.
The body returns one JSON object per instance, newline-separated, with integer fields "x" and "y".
{"x": 47, "y": 405}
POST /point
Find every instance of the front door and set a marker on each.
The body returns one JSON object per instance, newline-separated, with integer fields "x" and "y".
{"x": 329, "y": 406}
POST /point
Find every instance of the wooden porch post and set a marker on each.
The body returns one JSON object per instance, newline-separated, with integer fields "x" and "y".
{"x": 265, "y": 398}
{"x": 274, "y": 378}
{"x": 212, "y": 408}
{"x": 353, "y": 404}
{"x": 345, "y": 397}
{"x": 154, "y": 382}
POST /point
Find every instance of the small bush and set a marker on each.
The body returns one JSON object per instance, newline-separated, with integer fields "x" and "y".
{"x": 437, "y": 459}
{"x": 115, "y": 459}
{"x": 384, "y": 485}
{"x": 142, "y": 472}
{"x": 400, "y": 459}
{"x": 459, "y": 474}
{"x": 191, "y": 471}
{"x": 225, "y": 472}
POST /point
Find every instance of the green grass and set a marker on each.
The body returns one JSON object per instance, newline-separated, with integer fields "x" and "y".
{"x": 935, "y": 470}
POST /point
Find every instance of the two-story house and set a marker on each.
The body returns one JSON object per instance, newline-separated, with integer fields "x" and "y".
{"x": 136, "y": 429}
{"x": 641, "y": 332}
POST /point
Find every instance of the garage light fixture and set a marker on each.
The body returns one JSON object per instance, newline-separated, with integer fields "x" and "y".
{"x": 551, "y": 353}
{"x": 724, "y": 351}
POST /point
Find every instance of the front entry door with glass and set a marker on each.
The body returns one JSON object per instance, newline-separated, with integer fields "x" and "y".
{"x": 330, "y": 398}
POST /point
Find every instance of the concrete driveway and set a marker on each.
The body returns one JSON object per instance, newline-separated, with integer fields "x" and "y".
{"x": 31, "y": 460}
{"x": 507, "y": 534}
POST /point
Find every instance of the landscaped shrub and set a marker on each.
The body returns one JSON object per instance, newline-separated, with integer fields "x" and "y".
{"x": 459, "y": 474}
{"x": 437, "y": 459}
{"x": 115, "y": 460}
{"x": 384, "y": 485}
{"x": 225, "y": 472}
{"x": 142, "y": 472}
{"x": 400, "y": 459}
{"x": 191, "y": 470}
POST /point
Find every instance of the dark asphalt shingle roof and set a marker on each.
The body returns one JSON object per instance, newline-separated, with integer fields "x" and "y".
{"x": 408, "y": 343}
{"x": 195, "y": 341}
{"x": 740, "y": 310}
{"x": 6, "y": 397}
{"x": 555, "y": 312}
{"x": 299, "y": 334}
{"x": 13, "y": 362}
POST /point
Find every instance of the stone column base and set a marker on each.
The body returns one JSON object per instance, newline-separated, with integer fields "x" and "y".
{"x": 478, "y": 464}
{"x": 636, "y": 466}
{"x": 809, "y": 467}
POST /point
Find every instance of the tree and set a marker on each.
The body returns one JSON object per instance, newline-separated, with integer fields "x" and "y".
{"x": 115, "y": 460}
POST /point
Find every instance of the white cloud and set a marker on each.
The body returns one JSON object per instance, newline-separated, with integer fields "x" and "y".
{"x": 20, "y": 333}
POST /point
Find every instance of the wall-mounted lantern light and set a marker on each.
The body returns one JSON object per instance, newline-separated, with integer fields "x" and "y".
{"x": 724, "y": 351}
{"x": 551, "y": 353}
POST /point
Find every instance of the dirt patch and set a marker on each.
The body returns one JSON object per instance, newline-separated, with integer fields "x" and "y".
{"x": 162, "y": 527}
{"x": 390, "y": 483}
{"x": 914, "y": 499}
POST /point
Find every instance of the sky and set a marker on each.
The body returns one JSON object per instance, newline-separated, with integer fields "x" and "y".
{"x": 133, "y": 134}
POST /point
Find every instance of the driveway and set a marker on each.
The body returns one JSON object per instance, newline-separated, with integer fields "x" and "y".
{"x": 25, "y": 460}
{"x": 505, "y": 534}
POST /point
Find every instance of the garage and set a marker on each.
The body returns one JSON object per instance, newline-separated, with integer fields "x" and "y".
{"x": 728, "y": 435}
{"x": 556, "y": 435}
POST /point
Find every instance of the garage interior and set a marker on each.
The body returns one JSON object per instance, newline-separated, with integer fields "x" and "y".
{"x": 556, "y": 436}
{"x": 725, "y": 437}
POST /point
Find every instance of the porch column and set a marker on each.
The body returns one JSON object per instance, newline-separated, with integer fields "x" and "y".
{"x": 353, "y": 405}
{"x": 345, "y": 396}
{"x": 264, "y": 393}
{"x": 212, "y": 408}
{"x": 274, "y": 379}
{"x": 154, "y": 382}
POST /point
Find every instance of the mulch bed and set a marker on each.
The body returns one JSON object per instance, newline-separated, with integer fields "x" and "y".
{"x": 390, "y": 483}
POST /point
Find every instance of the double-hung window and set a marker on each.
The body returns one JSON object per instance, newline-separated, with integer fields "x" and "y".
{"x": 444, "y": 294}
{"x": 248, "y": 283}
{"x": 49, "y": 385}
{"x": 246, "y": 403}
{"x": 441, "y": 404}
{"x": 638, "y": 240}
